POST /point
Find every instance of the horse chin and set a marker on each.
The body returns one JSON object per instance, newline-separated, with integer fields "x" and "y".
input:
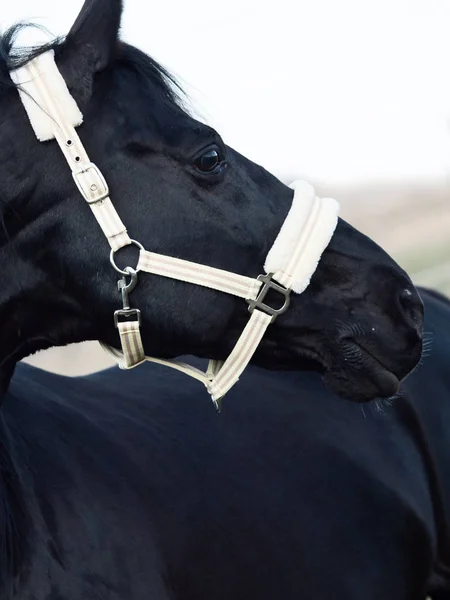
{"x": 360, "y": 382}
{"x": 362, "y": 386}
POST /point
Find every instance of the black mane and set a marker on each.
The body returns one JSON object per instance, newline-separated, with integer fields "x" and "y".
{"x": 13, "y": 57}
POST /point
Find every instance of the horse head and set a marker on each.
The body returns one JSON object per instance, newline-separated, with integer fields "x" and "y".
{"x": 182, "y": 192}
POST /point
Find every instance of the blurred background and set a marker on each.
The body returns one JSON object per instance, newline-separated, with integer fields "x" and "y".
{"x": 353, "y": 96}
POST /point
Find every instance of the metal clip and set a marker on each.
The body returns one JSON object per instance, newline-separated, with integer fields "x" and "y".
{"x": 126, "y": 289}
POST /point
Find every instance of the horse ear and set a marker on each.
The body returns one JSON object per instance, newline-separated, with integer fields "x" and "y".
{"x": 95, "y": 33}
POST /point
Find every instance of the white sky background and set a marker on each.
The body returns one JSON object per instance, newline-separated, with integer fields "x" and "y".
{"x": 332, "y": 91}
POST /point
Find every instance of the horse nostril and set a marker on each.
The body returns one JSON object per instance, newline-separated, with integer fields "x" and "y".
{"x": 406, "y": 297}
{"x": 412, "y": 307}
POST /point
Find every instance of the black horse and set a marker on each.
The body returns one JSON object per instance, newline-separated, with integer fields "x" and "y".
{"x": 183, "y": 193}
{"x": 130, "y": 485}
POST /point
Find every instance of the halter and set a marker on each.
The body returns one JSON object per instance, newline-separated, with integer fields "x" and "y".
{"x": 291, "y": 262}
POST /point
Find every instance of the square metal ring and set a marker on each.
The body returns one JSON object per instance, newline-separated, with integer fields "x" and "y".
{"x": 269, "y": 284}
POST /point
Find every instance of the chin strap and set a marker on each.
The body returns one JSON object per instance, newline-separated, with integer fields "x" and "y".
{"x": 291, "y": 262}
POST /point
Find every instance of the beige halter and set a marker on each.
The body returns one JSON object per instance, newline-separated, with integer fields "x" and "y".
{"x": 291, "y": 262}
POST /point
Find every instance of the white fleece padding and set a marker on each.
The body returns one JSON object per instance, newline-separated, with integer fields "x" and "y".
{"x": 303, "y": 237}
{"x": 32, "y": 81}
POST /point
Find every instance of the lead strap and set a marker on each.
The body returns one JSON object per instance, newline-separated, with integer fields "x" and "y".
{"x": 131, "y": 342}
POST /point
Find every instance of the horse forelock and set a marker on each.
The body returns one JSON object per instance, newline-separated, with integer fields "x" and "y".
{"x": 13, "y": 56}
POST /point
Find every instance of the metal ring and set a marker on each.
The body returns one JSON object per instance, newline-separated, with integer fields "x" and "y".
{"x": 113, "y": 262}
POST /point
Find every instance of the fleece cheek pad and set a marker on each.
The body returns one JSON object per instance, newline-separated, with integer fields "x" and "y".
{"x": 303, "y": 237}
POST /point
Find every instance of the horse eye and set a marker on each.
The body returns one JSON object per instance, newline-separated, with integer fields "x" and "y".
{"x": 210, "y": 161}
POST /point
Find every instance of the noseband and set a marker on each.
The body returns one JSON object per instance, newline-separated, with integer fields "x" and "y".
{"x": 291, "y": 262}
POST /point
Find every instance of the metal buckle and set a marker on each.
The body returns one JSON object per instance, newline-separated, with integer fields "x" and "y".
{"x": 269, "y": 284}
{"x": 91, "y": 183}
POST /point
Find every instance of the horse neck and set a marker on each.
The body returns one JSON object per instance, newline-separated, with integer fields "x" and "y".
{"x": 35, "y": 313}
{"x": 15, "y": 516}
{"x": 18, "y": 306}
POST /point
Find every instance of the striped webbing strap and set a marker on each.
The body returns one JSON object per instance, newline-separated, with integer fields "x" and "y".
{"x": 219, "y": 377}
